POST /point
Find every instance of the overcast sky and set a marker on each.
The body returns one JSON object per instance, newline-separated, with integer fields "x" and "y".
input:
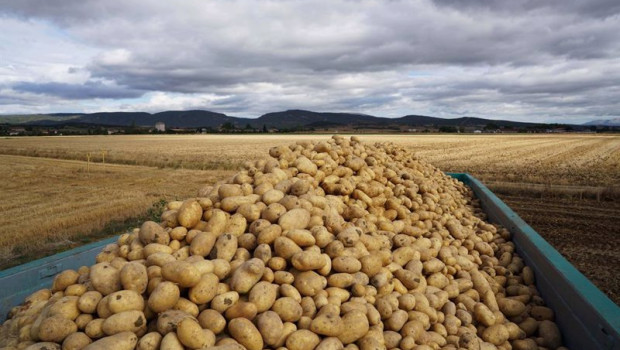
{"x": 529, "y": 60}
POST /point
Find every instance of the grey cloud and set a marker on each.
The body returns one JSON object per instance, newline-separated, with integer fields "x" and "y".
{"x": 88, "y": 90}
{"x": 267, "y": 55}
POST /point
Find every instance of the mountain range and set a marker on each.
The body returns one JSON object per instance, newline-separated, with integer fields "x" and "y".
{"x": 290, "y": 119}
{"x": 605, "y": 122}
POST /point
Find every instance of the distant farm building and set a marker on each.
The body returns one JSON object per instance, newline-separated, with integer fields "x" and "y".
{"x": 160, "y": 126}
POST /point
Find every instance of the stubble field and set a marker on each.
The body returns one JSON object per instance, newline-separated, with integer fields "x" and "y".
{"x": 57, "y": 189}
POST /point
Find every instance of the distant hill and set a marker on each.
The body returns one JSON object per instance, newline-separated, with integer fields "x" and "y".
{"x": 284, "y": 120}
{"x": 299, "y": 118}
{"x": 420, "y": 120}
{"x": 605, "y": 122}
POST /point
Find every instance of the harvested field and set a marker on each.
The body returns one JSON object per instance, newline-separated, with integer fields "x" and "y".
{"x": 586, "y": 160}
{"x": 49, "y": 204}
{"x": 586, "y": 232}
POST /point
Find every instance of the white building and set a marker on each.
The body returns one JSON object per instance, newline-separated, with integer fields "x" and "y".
{"x": 160, "y": 126}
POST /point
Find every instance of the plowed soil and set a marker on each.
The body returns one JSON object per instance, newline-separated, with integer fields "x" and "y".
{"x": 586, "y": 232}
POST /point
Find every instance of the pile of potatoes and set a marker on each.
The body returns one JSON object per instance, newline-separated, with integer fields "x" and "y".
{"x": 324, "y": 245}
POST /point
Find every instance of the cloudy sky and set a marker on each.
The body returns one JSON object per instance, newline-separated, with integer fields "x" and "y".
{"x": 554, "y": 61}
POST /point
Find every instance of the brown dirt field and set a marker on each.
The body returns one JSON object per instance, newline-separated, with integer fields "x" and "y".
{"x": 586, "y": 232}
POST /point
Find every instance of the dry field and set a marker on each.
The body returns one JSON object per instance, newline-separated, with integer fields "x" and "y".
{"x": 50, "y": 204}
{"x": 566, "y": 186}
{"x": 586, "y": 160}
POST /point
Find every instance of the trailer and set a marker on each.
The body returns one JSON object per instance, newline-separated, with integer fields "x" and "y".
{"x": 587, "y": 318}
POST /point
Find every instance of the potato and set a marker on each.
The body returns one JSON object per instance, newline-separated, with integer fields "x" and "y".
{"x": 511, "y": 307}
{"x": 302, "y": 340}
{"x": 483, "y": 315}
{"x": 76, "y": 290}
{"x": 126, "y": 321}
{"x": 305, "y": 165}
{"x": 294, "y": 219}
{"x": 64, "y": 280}
{"x": 272, "y": 196}
{"x": 346, "y": 264}
{"x": 244, "y": 331}
{"x": 152, "y": 232}
{"x": 205, "y": 290}
{"x": 171, "y": 342}
{"x": 212, "y": 320}
{"x": 496, "y": 334}
{"x": 223, "y": 301}
{"x": 225, "y": 247}
{"x": 168, "y": 321}
{"x": 181, "y": 272}
{"x": 82, "y": 320}
{"x": 263, "y": 295}
{"x": 550, "y": 333}
{"x": 43, "y": 346}
{"x": 193, "y": 336}
{"x": 56, "y": 329}
{"x": 270, "y": 327}
{"x": 105, "y": 278}
{"x": 241, "y": 309}
{"x": 247, "y": 275}
{"x": 288, "y": 309}
{"x": 285, "y": 247}
{"x": 164, "y": 297}
{"x": 524, "y": 344}
{"x": 150, "y": 341}
{"x": 309, "y": 283}
{"x": 134, "y": 277}
{"x": 120, "y": 341}
{"x": 189, "y": 214}
{"x": 76, "y": 341}
{"x": 231, "y": 204}
{"x": 308, "y": 260}
{"x": 355, "y": 326}
{"x": 125, "y": 300}
{"x": 66, "y": 307}
{"x": 94, "y": 328}
{"x": 203, "y": 243}
{"x": 328, "y": 322}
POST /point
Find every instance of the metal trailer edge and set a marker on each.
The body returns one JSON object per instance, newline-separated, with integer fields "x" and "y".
{"x": 587, "y": 318}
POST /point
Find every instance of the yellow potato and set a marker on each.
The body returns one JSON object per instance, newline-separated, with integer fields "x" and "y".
{"x": 105, "y": 278}
{"x": 164, "y": 297}
{"x": 247, "y": 275}
{"x": 181, "y": 272}
{"x": 76, "y": 341}
{"x": 189, "y": 214}
{"x": 294, "y": 219}
{"x": 125, "y": 300}
{"x": 212, "y": 320}
{"x": 244, "y": 331}
{"x": 64, "y": 280}
{"x": 134, "y": 277}
{"x": 120, "y": 341}
{"x": 152, "y": 232}
{"x": 302, "y": 339}
{"x": 205, "y": 290}
{"x": 193, "y": 336}
{"x": 126, "y": 321}
{"x": 150, "y": 341}
{"x": 56, "y": 329}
